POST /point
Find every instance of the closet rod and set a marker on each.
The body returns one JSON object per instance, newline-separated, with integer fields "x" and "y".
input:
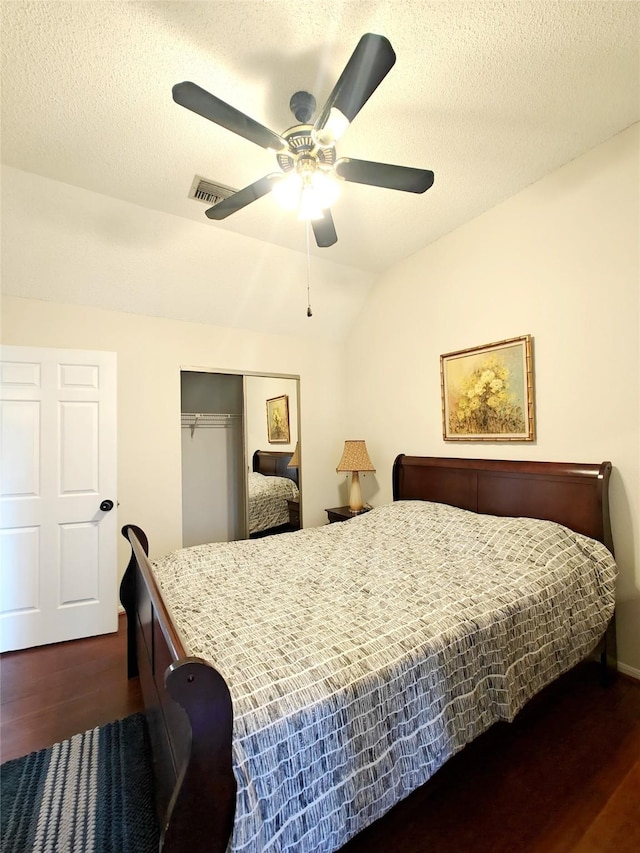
{"x": 210, "y": 420}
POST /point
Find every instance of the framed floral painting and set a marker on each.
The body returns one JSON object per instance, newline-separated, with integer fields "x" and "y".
{"x": 487, "y": 392}
{"x": 278, "y": 420}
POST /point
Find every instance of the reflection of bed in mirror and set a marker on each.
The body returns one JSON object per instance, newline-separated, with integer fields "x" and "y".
{"x": 272, "y": 485}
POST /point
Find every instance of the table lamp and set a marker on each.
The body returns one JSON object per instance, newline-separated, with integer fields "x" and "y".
{"x": 294, "y": 462}
{"x": 355, "y": 459}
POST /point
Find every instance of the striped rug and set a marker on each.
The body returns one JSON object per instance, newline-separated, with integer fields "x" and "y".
{"x": 90, "y": 794}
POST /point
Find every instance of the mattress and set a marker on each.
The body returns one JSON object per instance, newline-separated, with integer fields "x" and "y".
{"x": 360, "y": 656}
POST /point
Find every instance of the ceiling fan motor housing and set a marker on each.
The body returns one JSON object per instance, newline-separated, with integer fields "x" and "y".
{"x": 303, "y": 151}
{"x": 303, "y": 106}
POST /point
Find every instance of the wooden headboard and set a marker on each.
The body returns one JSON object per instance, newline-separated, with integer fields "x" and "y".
{"x": 273, "y": 463}
{"x": 571, "y": 494}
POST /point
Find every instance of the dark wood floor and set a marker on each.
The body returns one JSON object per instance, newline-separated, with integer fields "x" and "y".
{"x": 50, "y": 693}
{"x": 565, "y": 776}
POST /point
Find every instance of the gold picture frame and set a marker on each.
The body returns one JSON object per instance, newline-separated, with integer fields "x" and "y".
{"x": 487, "y": 392}
{"x": 278, "y": 420}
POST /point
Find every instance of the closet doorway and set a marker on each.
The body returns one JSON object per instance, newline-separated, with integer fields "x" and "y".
{"x": 224, "y": 421}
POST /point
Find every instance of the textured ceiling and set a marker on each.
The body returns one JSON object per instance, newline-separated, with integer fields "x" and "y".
{"x": 489, "y": 95}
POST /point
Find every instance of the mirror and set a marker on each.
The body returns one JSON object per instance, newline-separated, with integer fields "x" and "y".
{"x": 272, "y": 433}
{"x": 238, "y": 433}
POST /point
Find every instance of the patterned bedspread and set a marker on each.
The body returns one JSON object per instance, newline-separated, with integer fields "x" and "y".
{"x": 268, "y": 498}
{"x": 360, "y": 656}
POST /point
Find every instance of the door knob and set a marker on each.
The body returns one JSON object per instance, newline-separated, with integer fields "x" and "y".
{"x": 105, "y": 506}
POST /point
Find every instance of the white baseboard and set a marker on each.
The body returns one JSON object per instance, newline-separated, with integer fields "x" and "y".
{"x": 629, "y": 670}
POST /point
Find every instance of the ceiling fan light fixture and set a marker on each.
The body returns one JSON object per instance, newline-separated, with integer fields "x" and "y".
{"x": 332, "y": 130}
{"x": 325, "y": 189}
{"x": 309, "y": 208}
{"x": 287, "y": 191}
{"x": 308, "y": 194}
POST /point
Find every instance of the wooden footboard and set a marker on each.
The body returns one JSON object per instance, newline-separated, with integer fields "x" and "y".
{"x": 189, "y": 714}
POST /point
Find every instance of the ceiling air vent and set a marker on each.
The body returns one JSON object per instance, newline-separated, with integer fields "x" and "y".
{"x": 209, "y": 191}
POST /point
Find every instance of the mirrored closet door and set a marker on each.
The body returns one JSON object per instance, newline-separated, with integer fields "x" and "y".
{"x": 240, "y": 477}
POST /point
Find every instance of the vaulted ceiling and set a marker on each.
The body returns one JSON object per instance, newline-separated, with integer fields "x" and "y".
{"x": 489, "y": 95}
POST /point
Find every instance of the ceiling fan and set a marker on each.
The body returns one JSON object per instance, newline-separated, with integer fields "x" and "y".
{"x": 306, "y": 152}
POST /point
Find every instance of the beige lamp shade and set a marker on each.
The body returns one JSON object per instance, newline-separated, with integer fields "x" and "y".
{"x": 294, "y": 462}
{"x": 355, "y": 458}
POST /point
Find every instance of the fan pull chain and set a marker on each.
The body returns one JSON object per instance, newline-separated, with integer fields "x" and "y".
{"x": 309, "y": 311}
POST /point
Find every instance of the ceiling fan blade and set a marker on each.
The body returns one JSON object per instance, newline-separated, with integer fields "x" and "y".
{"x": 370, "y": 63}
{"x": 324, "y": 230}
{"x": 241, "y": 199}
{"x": 403, "y": 178}
{"x": 203, "y": 103}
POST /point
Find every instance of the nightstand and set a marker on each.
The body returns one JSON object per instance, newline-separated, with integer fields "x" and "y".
{"x": 294, "y": 514}
{"x": 343, "y": 513}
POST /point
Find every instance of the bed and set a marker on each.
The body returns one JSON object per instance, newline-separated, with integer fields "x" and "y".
{"x": 411, "y": 698}
{"x": 271, "y": 485}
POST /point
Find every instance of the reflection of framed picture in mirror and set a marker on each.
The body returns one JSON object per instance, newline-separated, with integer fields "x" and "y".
{"x": 278, "y": 420}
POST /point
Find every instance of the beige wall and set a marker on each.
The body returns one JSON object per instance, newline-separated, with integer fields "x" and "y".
{"x": 151, "y": 352}
{"x": 558, "y": 261}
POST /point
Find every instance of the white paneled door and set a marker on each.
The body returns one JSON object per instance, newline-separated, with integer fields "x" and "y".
{"x": 58, "y": 519}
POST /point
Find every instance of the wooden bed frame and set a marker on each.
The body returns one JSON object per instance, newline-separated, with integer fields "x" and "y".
{"x": 273, "y": 463}
{"x": 187, "y": 702}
